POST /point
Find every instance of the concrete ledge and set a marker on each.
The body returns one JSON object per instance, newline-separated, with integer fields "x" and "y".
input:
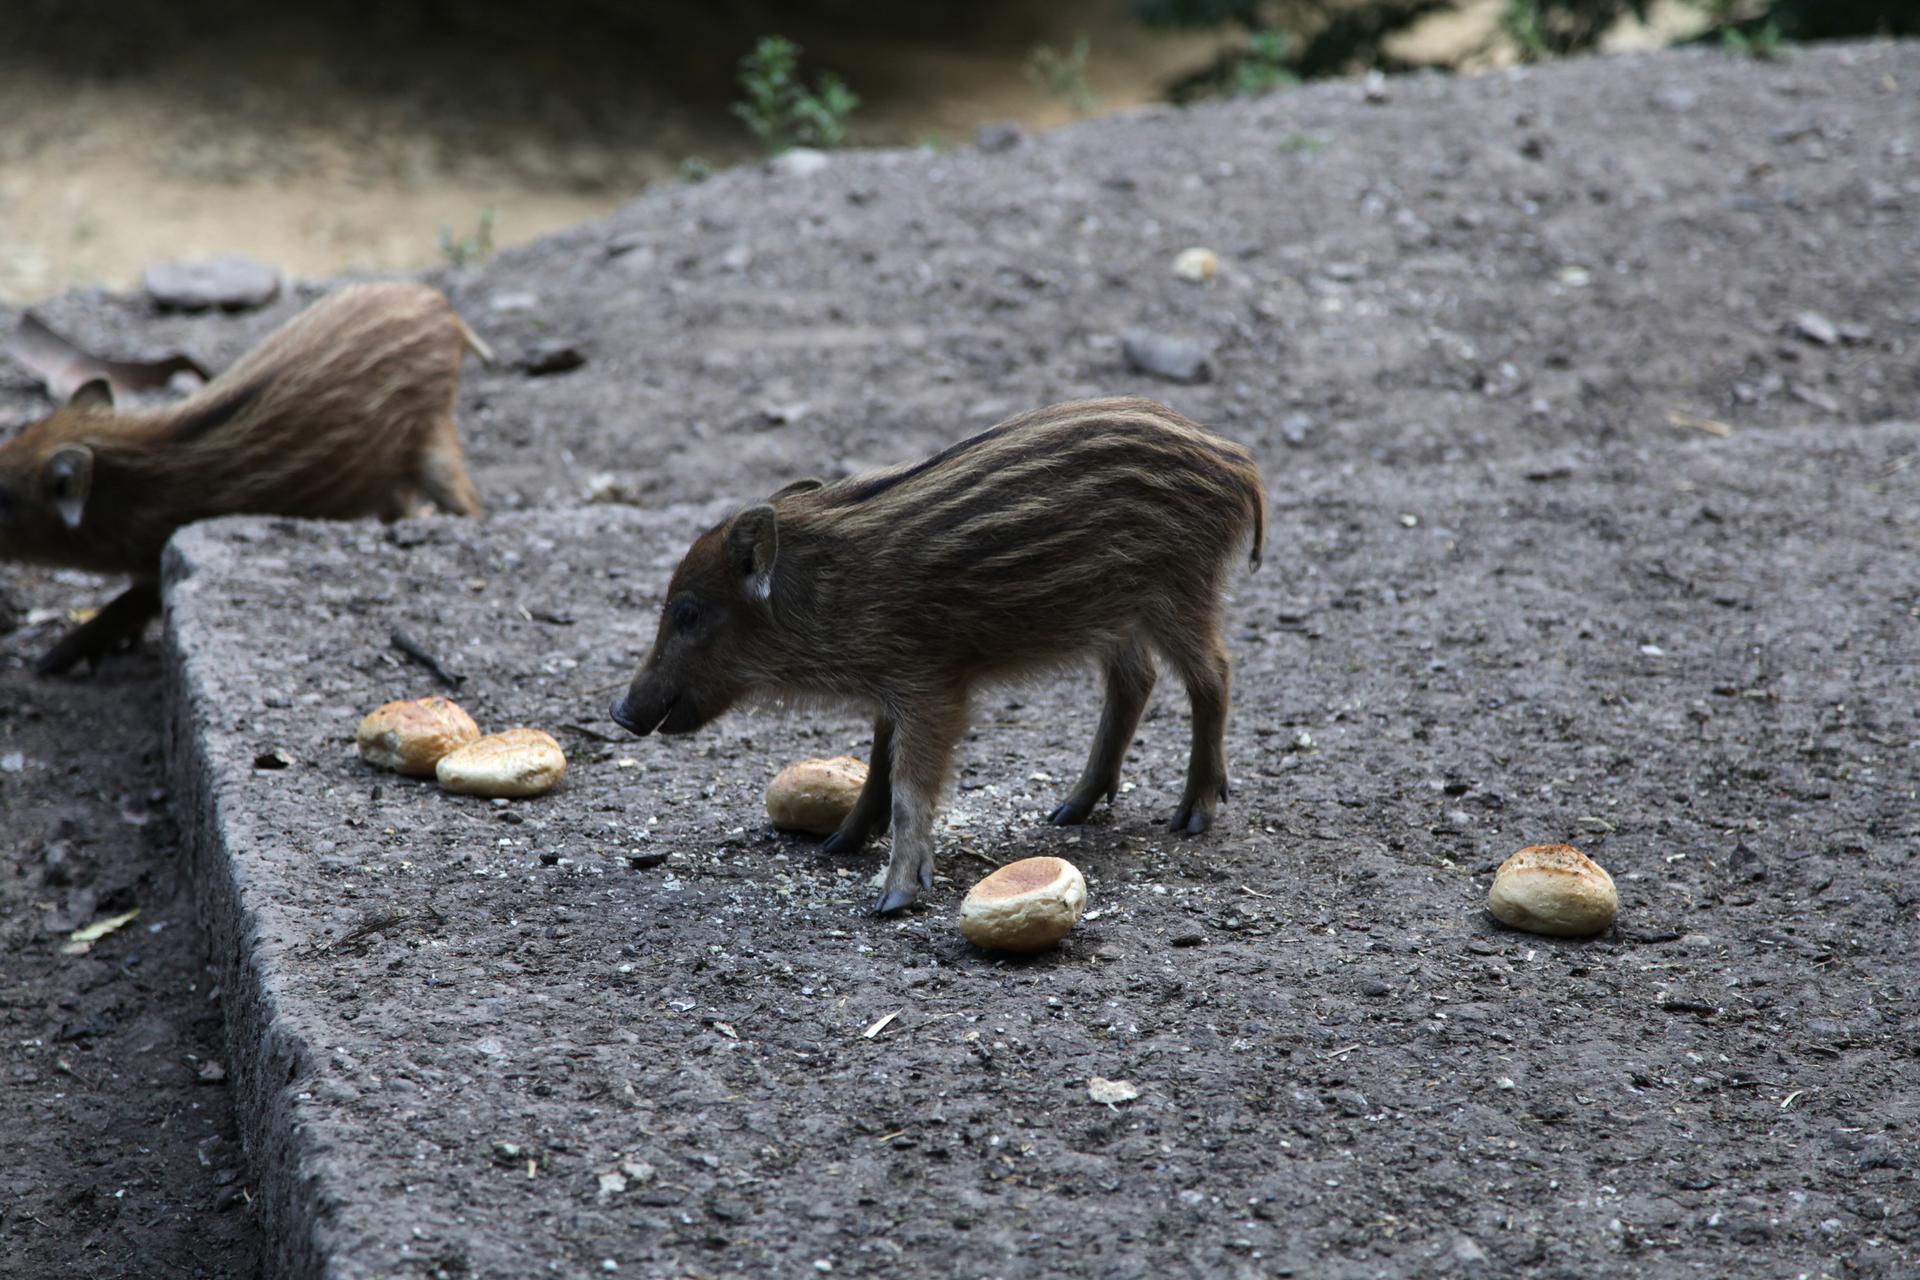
{"x": 625, "y": 1023}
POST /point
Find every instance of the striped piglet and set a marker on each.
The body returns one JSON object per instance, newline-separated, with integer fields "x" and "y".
{"x": 1097, "y": 527}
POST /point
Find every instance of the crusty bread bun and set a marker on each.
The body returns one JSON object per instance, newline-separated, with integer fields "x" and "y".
{"x": 519, "y": 762}
{"x": 1553, "y": 889}
{"x": 410, "y": 737}
{"x": 1024, "y": 906}
{"x": 815, "y": 795}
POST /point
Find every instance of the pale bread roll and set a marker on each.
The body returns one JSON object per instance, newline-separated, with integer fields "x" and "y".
{"x": 410, "y": 737}
{"x": 1553, "y": 889}
{"x": 1024, "y": 906}
{"x": 519, "y": 762}
{"x": 815, "y": 795}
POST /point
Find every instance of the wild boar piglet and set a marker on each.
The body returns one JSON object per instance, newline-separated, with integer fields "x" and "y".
{"x": 1097, "y": 528}
{"x": 345, "y": 411}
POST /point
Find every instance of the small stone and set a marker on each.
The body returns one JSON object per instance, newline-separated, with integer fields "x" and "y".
{"x": 1196, "y": 265}
{"x": 1745, "y": 863}
{"x": 784, "y": 414}
{"x": 507, "y": 303}
{"x": 1164, "y": 356}
{"x": 1815, "y": 327}
{"x": 1111, "y": 1092}
{"x": 1467, "y": 1252}
{"x": 1374, "y": 987}
{"x": 1814, "y": 396}
{"x": 998, "y": 135}
{"x": 1553, "y": 889}
{"x": 544, "y": 359}
{"x": 1297, "y": 428}
{"x": 798, "y": 162}
{"x": 230, "y": 282}
{"x": 1351, "y": 1102}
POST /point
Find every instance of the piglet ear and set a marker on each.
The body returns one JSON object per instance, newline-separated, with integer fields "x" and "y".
{"x": 94, "y": 396}
{"x": 798, "y": 486}
{"x": 753, "y": 540}
{"x": 68, "y": 480}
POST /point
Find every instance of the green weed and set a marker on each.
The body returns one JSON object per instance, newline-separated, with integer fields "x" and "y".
{"x": 477, "y": 247}
{"x": 1064, "y": 75}
{"x": 780, "y": 110}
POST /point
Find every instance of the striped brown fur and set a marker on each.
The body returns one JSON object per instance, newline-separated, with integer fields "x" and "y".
{"x": 345, "y": 411}
{"x": 1097, "y": 528}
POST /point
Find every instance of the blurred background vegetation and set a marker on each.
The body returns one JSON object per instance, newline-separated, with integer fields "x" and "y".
{"x": 330, "y": 135}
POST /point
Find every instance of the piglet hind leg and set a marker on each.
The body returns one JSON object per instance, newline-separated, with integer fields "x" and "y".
{"x": 922, "y": 755}
{"x": 1128, "y": 669}
{"x": 443, "y": 473}
{"x": 874, "y": 809}
{"x": 1201, "y": 658}
{"x": 115, "y": 627}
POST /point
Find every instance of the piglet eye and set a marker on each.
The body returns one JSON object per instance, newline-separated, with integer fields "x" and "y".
{"x": 685, "y": 613}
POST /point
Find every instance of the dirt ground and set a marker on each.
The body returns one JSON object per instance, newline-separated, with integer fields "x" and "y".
{"x": 1515, "y": 593}
{"x": 326, "y": 148}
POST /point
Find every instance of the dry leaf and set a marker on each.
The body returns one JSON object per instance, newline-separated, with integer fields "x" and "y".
{"x": 726, "y": 1029}
{"x": 1712, "y": 426}
{"x": 1101, "y": 1089}
{"x": 81, "y": 940}
{"x": 880, "y": 1025}
{"x": 64, "y": 368}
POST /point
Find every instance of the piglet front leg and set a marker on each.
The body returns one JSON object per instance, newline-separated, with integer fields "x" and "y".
{"x": 923, "y": 741}
{"x": 117, "y": 625}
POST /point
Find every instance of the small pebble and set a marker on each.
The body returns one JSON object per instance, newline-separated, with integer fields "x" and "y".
{"x": 798, "y": 162}
{"x": 1816, "y": 328}
{"x": 230, "y": 282}
{"x": 1196, "y": 265}
{"x": 998, "y": 135}
{"x": 548, "y": 358}
{"x": 1166, "y": 357}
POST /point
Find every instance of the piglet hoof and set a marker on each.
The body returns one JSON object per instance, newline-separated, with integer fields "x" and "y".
{"x": 1189, "y": 820}
{"x": 1071, "y": 814}
{"x": 844, "y": 841}
{"x": 894, "y": 899}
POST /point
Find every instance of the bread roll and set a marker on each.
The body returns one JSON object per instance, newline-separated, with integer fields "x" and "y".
{"x": 1024, "y": 906}
{"x": 410, "y": 737}
{"x": 517, "y": 763}
{"x": 815, "y": 795}
{"x": 1553, "y": 889}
